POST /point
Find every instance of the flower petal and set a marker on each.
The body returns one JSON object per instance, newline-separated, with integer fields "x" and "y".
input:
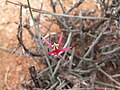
{"x": 64, "y": 49}
{"x": 53, "y": 51}
{"x": 47, "y": 42}
{"x": 60, "y": 39}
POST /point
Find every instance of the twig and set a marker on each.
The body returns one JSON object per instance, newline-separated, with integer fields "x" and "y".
{"x": 52, "y": 5}
{"x": 116, "y": 82}
{"x": 107, "y": 46}
{"x": 12, "y": 2}
{"x": 48, "y": 28}
{"x": 63, "y": 9}
{"x": 18, "y": 4}
{"x": 69, "y": 16}
{"x": 68, "y": 40}
{"x": 112, "y": 51}
{"x": 53, "y": 86}
{"x": 105, "y": 84}
{"x": 8, "y": 50}
{"x": 71, "y": 60}
{"x": 6, "y": 78}
{"x": 56, "y": 68}
{"x": 66, "y": 30}
{"x": 43, "y": 71}
{"x": 75, "y": 6}
{"x": 16, "y": 48}
{"x": 27, "y": 26}
{"x": 116, "y": 75}
{"x": 35, "y": 25}
{"x": 33, "y": 74}
{"x": 62, "y": 85}
{"x": 82, "y": 39}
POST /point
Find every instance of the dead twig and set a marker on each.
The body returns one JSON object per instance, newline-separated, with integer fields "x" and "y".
{"x": 110, "y": 77}
{"x": 6, "y": 78}
{"x": 33, "y": 74}
{"x": 71, "y": 60}
{"x": 74, "y": 6}
{"x": 115, "y": 50}
{"x": 70, "y": 16}
{"x": 9, "y": 50}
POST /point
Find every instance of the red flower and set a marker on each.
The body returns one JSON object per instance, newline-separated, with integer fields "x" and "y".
{"x": 56, "y": 49}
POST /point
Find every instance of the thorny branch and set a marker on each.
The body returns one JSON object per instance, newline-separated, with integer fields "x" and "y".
{"x": 95, "y": 43}
{"x": 58, "y": 70}
{"x": 19, "y": 37}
